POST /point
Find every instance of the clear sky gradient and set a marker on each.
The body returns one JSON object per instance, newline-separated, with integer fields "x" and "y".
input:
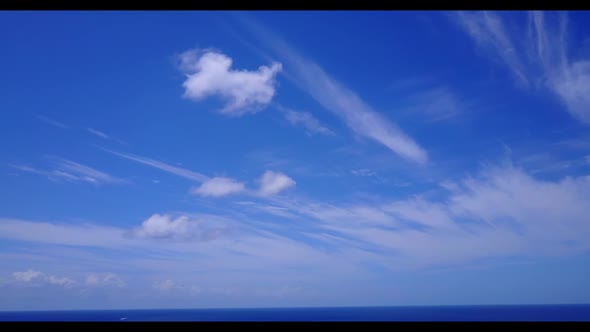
{"x": 259, "y": 159}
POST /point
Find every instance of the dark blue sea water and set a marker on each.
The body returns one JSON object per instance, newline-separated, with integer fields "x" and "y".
{"x": 413, "y": 313}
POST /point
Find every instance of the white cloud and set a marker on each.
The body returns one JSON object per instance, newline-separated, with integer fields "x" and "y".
{"x": 546, "y": 51}
{"x": 68, "y": 170}
{"x": 306, "y": 120}
{"x": 209, "y": 73}
{"x": 501, "y": 212}
{"x": 569, "y": 79}
{"x": 179, "y": 171}
{"x": 573, "y": 86}
{"x": 488, "y": 31}
{"x": 344, "y": 103}
{"x": 98, "y": 133}
{"x": 199, "y": 228}
{"x": 104, "y": 136}
{"x": 64, "y": 234}
{"x": 61, "y": 281}
{"x": 355, "y": 214}
{"x": 437, "y": 104}
{"x": 219, "y": 186}
{"x": 421, "y": 211}
{"x": 37, "y": 277}
{"x": 169, "y": 285}
{"x": 104, "y": 279}
{"x": 163, "y": 226}
{"x": 166, "y": 285}
{"x": 274, "y": 182}
{"x": 27, "y": 276}
{"x": 86, "y": 173}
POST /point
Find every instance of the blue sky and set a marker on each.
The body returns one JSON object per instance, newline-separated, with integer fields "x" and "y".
{"x": 230, "y": 159}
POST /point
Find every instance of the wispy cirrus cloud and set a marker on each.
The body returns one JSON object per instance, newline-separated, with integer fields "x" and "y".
{"x": 305, "y": 120}
{"x": 179, "y": 171}
{"x": 209, "y": 73}
{"x": 502, "y": 211}
{"x": 567, "y": 78}
{"x": 67, "y": 170}
{"x": 271, "y": 182}
{"x": 336, "y": 98}
{"x": 52, "y": 122}
{"x": 436, "y": 104}
{"x": 103, "y": 135}
{"x": 98, "y": 133}
{"x": 543, "y": 58}
{"x": 487, "y": 29}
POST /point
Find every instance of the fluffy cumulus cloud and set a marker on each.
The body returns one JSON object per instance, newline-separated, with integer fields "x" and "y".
{"x": 163, "y": 226}
{"x": 38, "y": 278}
{"x": 219, "y": 186}
{"x": 274, "y": 182}
{"x": 210, "y": 73}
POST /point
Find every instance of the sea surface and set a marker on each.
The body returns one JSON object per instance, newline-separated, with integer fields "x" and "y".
{"x": 578, "y": 312}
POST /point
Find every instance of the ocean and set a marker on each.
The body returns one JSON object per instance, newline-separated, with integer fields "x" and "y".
{"x": 580, "y": 312}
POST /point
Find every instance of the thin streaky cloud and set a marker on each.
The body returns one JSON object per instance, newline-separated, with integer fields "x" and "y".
{"x": 569, "y": 79}
{"x": 488, "y": 31}
{"x": 336, "y": 98}
{"x": 500, "y": 204}
{"x": 86, "y": 173}
{"x": 98, "y": 133}
{"x": 436, "y": 104}
{"x": 52, "y": 122}
{"x": 67, "y": 170}
{"x": 179, "y": 171}
{"x": 305, "y": 120}
{"x": 103, "y": 135}
{"x": 545, "y": 55}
